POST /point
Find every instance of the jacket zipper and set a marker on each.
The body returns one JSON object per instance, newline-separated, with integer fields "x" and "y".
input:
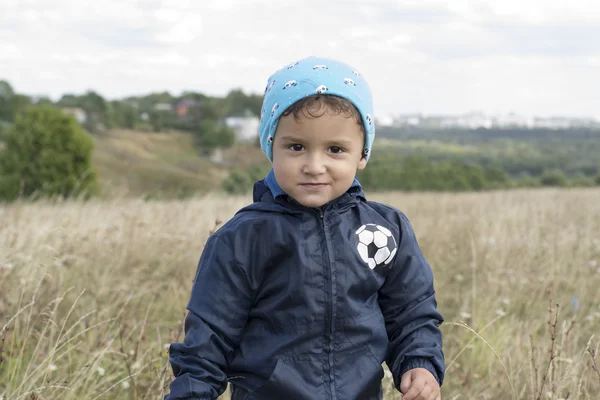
{"x": 331, "y": 314}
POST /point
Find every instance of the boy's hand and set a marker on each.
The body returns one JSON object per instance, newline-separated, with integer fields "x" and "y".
{"x": 419, "y": 384}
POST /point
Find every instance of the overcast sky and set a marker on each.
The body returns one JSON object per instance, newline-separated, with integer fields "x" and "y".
{"x": 533, "y": 57}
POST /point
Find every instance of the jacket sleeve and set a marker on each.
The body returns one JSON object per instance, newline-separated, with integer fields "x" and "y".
{"x": 218, "y": 310}
{"x": 407, "y": 300}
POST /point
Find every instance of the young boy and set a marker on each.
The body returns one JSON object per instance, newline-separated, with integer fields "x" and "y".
{"x": 304, "y": 294}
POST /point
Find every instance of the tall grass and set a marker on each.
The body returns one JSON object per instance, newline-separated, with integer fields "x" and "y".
{"x": 91, "y": 294}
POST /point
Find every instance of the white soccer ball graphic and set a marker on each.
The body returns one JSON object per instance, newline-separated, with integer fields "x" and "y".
{"x": 376, "y": 245}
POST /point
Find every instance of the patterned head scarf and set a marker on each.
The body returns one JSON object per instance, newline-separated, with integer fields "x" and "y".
{"x": 308, "y": 77}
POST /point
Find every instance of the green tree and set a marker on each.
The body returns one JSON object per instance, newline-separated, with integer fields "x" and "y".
{"x": 554, "y": 178}
{"x": 237, "y": 103}
{"x": 6, "y": 95}
{"x": 19, "y": 102}
{"x": 130, "y": 117}
{"x": 96, "y": 109}
{"x": 10, "y": 102}
{"x": 47, "y": 153}
{"x": 213, "y": 135}
{"x": 157, "y": 120}
{"x": 44, "y": 101}
{"x": 122, "y": 114}
{"x": 496, "y": 177}
{"x": 69, "y": 100}
{"x": 240, "y": 182}
{"x": 147, "y": 103}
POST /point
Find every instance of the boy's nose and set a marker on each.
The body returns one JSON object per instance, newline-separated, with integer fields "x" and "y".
{"x": 314, "y": 165}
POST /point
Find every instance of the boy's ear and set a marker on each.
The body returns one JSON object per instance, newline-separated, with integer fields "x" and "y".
{"x": 363, "y": 162}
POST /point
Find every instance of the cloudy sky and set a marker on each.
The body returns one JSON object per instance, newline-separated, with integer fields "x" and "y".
{"x": 533, "y": 57}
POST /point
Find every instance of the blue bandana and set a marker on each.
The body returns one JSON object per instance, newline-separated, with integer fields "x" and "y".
{"x": 308, "y": 77}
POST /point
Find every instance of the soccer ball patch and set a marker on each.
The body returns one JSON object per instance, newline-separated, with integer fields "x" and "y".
{"x": 376, "y": 245}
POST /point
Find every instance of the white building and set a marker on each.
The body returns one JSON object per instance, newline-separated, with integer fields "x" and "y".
{"x": 246, "y": 128}
{"x": 552, "y": 123}
{"x": 163, "y": 107}
{"x": 470, "y": 121}
{"x": 79, "y": 113}
{"x": 385, "y": 120}
{"x": 408, "y": 120}
{"x": 513, "y": 120}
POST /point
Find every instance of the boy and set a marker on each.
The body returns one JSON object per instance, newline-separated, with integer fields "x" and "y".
{"x": 304, "y": 293}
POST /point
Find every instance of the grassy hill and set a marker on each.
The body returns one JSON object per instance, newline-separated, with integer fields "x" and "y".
{"x": 170, "y": 165}
{"x": 166, "y": 165}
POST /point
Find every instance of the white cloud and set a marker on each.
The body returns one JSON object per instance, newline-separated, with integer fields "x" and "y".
{"x": 419, "y": 55}
{"x": 369, "y": 11}
{"x": 184, "y": 31}
{"x": 593, "y": 61}
{"x": 170, "y": 59}
{"x": 528, "y": 11}
{"x": 9, "y": 51}
{"x": 360, "y": 31}
{"x": 548, "y": 11}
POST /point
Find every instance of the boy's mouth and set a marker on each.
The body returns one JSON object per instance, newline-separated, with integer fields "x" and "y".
{"x": 313, "y": 186}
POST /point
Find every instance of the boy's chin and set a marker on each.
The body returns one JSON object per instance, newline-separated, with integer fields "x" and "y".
{"x": 314, "y": 200}
{"x": 313, "y": 203}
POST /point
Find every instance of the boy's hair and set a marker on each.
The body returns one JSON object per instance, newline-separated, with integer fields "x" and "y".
{"x": 312, "y": 107}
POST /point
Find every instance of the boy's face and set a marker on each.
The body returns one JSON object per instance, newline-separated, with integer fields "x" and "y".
{"x": 315, "y": 159}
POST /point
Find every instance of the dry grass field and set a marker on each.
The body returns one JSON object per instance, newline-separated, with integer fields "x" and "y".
{"x": 91, "y": 294}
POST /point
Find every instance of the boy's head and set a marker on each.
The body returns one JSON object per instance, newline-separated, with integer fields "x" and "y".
{"x": 317, "y": 128}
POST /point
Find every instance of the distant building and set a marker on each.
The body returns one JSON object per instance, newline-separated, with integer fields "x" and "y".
{"x": 163, "y": 107}
{"x": 408, "y": 120}
{"x": 385, "y": 120}
{"x": 552, "y": 123}
{"x": 471, "y": 121}
{"x": 79, "y": 113}
{"x": 245, "y": 127}
{"x": 217, "y": 156}
{"x": 183, "y": 107}
{"x": 513, "y": 120}
{"x": 479, "y": 120}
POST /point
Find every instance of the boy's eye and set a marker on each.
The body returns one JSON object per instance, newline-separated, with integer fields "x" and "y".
{"x": 336, "y": 150}
{"x": 296, "y": 147}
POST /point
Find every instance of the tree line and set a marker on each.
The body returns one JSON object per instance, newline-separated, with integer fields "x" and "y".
{"x": 193, "y": 112}
{"x": 522, "y": 153}
{"x": 46, "y": 151}
{"x": 418, "y": 173}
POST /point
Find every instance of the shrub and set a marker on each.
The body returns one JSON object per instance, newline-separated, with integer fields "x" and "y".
{"x": 554, "y": 178}
{"x": 47, "y": 153}
{"x": 241, "y": 182}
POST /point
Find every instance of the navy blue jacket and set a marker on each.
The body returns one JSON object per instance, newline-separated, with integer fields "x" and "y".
{"x": 284, "y": 307}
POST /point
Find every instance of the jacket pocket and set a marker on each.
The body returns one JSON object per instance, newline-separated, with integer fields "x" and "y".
{"x": 292, "y": 379}
{"x": 359, "y": 375}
